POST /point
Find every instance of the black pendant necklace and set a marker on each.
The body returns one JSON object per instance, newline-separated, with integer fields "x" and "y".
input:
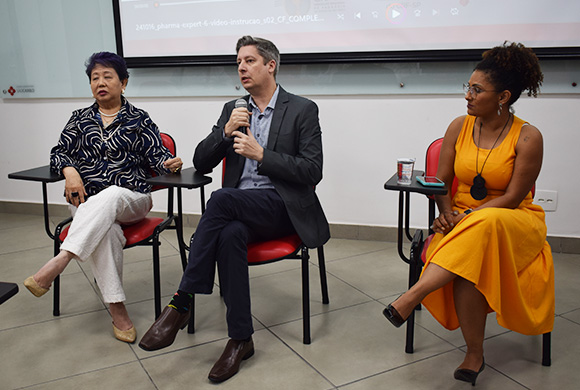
{"x": 478, "y": 190}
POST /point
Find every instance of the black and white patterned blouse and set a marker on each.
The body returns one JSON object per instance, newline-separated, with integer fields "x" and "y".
{"x": 123, "y": 154}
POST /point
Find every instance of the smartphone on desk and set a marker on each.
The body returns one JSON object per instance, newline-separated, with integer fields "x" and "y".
{"x": 430, "y": 181}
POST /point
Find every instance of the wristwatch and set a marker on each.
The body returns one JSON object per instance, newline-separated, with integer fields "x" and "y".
{"x": 468, "y": 211}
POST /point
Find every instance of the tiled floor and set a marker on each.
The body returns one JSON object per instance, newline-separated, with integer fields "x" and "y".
{"x": 353, "y": 346}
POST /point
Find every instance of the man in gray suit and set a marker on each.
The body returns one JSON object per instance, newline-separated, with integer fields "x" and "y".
{"x": 273, "y": 161}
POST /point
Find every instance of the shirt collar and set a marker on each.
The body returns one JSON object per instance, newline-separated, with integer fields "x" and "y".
{"x": 271, "y": 104}
{"x": 124, "y": 103}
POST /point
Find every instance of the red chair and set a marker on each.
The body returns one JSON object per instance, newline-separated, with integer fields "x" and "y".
{"x": 419, "y": 250}
{"x": 144, "y": 232}
{"x": 289, "y": 247}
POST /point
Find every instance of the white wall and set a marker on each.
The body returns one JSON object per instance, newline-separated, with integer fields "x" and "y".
{"x": 362, "y": 136}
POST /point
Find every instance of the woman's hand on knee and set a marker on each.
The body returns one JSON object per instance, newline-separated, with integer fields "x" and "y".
{"x": 445, "y": 222}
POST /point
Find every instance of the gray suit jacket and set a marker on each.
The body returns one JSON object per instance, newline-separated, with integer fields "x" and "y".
{"x": 292, "y": 161}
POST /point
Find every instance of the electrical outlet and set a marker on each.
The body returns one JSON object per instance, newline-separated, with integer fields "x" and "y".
{"x": 547, "y": 199}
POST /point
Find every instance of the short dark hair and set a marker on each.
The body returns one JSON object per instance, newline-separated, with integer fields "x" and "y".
{"x": 110, "y": 60}
{"x": 266, "y": 49}
{"x": 514, "y": 67}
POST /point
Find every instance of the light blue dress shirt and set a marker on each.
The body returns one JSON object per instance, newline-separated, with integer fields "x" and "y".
{"x": 260, "y": 126}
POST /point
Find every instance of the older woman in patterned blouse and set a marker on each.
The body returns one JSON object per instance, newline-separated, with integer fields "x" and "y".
{"x": 105, "y": 153}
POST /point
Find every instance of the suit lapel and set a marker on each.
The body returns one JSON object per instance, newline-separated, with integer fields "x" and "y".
{"x": 277, "y": 119}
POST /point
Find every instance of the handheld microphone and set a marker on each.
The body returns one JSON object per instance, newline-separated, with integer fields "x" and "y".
{"x": 241, "y": 103}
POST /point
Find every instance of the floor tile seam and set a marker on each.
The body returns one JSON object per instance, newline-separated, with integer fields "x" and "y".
{"x": 436, "y": 335}
{"x": 268, "y": 326}
{"x": 75, "y": 375}
{"x": 298, "y": 267}
{"x": 418, "y": 324}
{"x": 54, "y": 318}
{"x": 567, "y": 312}
{"x": 162, "y": 241}
{"x": 311, "y": 315}
{"x": 81, "y": 270}
{"x": 504, "y": 332}
{"x": 27, "y": 249}
{"x": 487, "y": 365}
{"x": 168, "y": 242}
{"x": 427, "y": 358}
{"x": 396, "y": 295}
{"x": 350, "y": 285}
{"x": 358, "y": 254}
{"x": 144, "y": 300}
{"x": 301, "y": 357}
{"x": 145, "y": 370}
{"x": 166, "y": 296}
{"x": 37, "y": 225}
{"x": 569, "y": 320}
{"x": 254, "y": 318}
{"x": 161, "y": 257}
{"x": 266, "y": 329}
{"x": 395, "y": 368}
{"x": 94, "y": 286}
{"x": 156, "y": 355}
{"x": 507, "y": 376}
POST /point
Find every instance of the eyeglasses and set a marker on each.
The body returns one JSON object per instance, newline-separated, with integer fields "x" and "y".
{"x": 474, "y": 90}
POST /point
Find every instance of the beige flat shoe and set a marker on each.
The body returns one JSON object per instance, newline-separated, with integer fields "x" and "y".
{"x": 34, "y": 288}
{"x": 128, "y": 336}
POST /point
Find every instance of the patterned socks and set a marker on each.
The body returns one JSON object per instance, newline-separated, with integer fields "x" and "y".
{"x": 181, "y": 301}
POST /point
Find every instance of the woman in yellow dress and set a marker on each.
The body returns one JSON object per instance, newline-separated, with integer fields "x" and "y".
{"x": 489, "y": 252}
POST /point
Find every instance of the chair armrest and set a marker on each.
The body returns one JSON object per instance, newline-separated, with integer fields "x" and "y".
{"x": 42, "y": 174}
{"x": 187, "y": 178}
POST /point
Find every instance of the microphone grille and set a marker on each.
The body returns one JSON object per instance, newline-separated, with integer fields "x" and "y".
{"x": 241, "y": 103}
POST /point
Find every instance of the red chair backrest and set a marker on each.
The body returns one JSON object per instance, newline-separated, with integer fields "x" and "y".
{"x": 432, "y": 162}
{"x": 169, "y": 143}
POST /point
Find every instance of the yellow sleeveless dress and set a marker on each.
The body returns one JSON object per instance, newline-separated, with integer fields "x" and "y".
{"x": 504, "y": 252}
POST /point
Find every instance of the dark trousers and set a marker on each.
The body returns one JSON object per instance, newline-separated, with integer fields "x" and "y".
{"x": 233, "y": 218}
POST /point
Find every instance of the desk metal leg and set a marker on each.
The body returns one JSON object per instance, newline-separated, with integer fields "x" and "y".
{"x": 45, "y": 209}
{"x": 179, "y": 226}
{"x": 400, "y": 226}
{"x": 202, "y": 197}
{"x": 407, "y": 212}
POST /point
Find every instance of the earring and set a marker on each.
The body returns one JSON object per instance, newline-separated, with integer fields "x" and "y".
{"x": 123, "y": 91}
{"x": 499, "y": 109}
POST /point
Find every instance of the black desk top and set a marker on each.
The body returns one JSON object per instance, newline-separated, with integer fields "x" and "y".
{"x": 187, "y": 178}
{"x": 7, "y": 291}
{"x": 37, "y": 174}
{"x": 415, "y": 186}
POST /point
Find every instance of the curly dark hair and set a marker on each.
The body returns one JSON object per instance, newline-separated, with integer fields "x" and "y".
{"x": 514, "y": 67}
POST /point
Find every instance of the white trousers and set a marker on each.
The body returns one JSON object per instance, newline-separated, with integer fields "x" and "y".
{"x": 95, "y": 235}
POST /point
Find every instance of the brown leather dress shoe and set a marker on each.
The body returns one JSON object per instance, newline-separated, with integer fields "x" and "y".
{"x": 229, "y": 363}
{"x": 163, "y": 331}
